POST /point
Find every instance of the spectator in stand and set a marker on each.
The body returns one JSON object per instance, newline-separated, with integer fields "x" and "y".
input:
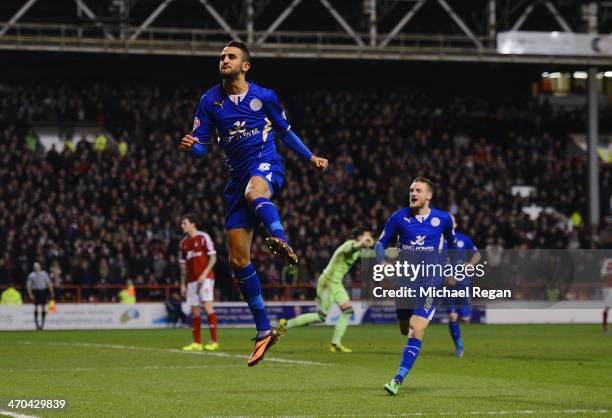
{"x": 128, "y": 295}
{"x": 11, "y": 296}
{"x": 31, "y": 141}
{"x": 100, "y": 143}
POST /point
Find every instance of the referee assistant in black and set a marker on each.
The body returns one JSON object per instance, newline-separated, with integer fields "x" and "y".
{"x": 39, "y": 288}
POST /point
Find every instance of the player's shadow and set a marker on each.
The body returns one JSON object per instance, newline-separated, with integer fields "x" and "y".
{"x": 379, "y": 392}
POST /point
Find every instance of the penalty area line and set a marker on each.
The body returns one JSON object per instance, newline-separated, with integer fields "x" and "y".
{"x": 171, "y": 350}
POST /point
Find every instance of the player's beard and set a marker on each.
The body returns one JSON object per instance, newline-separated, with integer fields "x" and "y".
{"x": 417, "y": 205}
{"x": 231, "y": 75}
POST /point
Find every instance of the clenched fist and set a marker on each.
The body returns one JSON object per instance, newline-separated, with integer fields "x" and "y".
{"x": 187, "y": 142}
{"x": 318, "y": 162}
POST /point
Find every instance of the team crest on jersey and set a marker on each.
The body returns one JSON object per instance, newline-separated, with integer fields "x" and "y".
{"x": 196, "y": 124}
{"x": 460, "y": 244}
{"x": 435, "y": 221}
{"x": 255, "y": 105}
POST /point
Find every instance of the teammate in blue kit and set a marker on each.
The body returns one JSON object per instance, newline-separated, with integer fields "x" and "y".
{"x": 247, "y": 118}
{"x": 421, "y": 231}
{"x": 458, "y": 308}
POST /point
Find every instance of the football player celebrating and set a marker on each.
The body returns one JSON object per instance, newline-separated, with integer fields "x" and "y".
{"x": 420, "y": 230}
{"x": 247, "y": 118}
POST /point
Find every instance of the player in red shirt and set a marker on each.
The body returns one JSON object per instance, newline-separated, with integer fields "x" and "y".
{"x": 197, "y": 258}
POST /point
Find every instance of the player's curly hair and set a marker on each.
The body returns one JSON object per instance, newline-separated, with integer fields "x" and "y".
{"x": 246, "y": 54}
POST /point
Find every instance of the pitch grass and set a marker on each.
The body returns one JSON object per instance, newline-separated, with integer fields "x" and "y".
{"x": 514, "y": 370}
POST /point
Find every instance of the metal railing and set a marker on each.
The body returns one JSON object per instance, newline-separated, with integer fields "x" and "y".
{"x": 280, "y": 44}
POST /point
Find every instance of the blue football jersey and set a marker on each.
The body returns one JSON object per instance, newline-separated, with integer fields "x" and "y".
{"x": 462, "y": 253}
{"x": 422, "y": 234}
{"x": 245, "y": 131}
{"x": 421, "y": 239}
{"x": 464, "y": 248}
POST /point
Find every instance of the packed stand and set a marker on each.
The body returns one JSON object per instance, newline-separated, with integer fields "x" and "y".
{"x": 105, "y": 213}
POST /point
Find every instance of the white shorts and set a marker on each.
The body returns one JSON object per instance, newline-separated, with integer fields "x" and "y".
{"x": 206, "y": 293}
{"x": 608, "y": 297}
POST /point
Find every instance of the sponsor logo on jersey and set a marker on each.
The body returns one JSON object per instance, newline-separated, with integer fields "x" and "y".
{"x": 238, "y": 132}
{"x": 239, "y": 128}
{"x": 420, "y": 240}
{"x": 192, "y": 254}
{"x": 255, "y": 105}
{"x": 264, "y": 167}
{"x": 417, "y": 245}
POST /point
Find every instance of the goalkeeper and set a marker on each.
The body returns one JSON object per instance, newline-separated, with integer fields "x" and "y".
{"x": 330, "y": 289}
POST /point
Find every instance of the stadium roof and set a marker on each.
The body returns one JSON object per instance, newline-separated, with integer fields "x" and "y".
{"x": 444, "y": 30}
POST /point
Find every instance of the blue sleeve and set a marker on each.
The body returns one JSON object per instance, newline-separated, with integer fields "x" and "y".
{"x": 202, "y": 123}
{"x": 449, "y": 232}
{"x": 295, "y": 144}
{"x": 275, "y": 113}
{"x": 199, "y": 150}
{"x": 473, "y": 248}
{"x": 390, "y": 232}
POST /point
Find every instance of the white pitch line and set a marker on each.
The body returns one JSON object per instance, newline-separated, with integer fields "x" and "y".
{"x": 170, "y": 350}
{"x": 92, "y": 369}
{"x": 523, "y": 412}
{"x": 460, "y": 413}
{"x": 15, "y": 414}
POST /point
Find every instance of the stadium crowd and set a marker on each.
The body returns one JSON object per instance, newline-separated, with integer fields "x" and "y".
{"x": 107, "y": 212}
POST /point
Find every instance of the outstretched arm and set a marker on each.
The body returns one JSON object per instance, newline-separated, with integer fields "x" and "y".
{"x": 282, "y": 129}
{"x": 197, "y": 142}
{"x": 294, "y": 143}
